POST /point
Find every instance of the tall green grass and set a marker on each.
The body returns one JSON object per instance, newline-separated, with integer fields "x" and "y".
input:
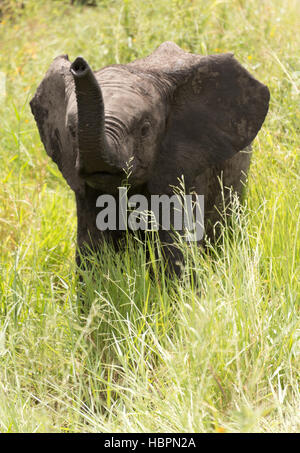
{"x": 217, "y": 350}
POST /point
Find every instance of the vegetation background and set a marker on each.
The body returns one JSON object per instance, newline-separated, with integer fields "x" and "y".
{"x": 216, "y": 353}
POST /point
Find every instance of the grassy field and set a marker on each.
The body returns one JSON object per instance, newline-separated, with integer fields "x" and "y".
{"x": 219, "y": 353}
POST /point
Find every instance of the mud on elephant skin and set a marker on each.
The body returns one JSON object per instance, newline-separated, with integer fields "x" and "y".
{"x": 171, "y": 114}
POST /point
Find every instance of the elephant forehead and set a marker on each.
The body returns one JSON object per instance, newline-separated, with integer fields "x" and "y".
{"x": 121, "y": 100}
{"x": 118, "y": 79}
{"x": 129, "y": 95}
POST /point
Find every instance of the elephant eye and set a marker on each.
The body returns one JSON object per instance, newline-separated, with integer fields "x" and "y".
{"x": 145, "y": 129}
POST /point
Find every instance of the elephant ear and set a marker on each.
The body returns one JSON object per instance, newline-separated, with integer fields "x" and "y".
{"x": 49, "y": 108}
{"x": 216, "y": 108}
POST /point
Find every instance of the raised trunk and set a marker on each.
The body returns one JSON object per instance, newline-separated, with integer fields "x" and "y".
{"x": 94, "y": 153}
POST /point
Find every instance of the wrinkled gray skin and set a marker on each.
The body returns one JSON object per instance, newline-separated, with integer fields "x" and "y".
{"x": 170, "y": 114}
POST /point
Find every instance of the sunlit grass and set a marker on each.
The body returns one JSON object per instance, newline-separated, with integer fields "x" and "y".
{"x": 213, "y": 353}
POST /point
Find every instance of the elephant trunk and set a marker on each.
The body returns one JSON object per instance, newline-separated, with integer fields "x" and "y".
{"x": 94, "y": 154}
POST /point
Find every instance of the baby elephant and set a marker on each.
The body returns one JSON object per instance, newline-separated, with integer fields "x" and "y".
{"x": 168, "y": 116}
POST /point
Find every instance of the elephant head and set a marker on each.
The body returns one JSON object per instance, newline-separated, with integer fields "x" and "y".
{"x": 158, "y": 118}
{"x": 169, "y": 114}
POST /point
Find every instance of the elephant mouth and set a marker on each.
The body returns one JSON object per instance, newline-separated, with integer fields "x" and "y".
{"x": 104, "y": 180}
